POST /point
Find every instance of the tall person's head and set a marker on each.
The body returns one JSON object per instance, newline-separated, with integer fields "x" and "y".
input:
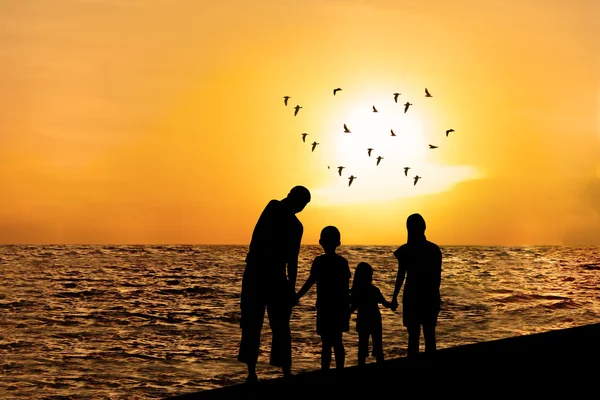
{"x": 298, "y": 198}
{"x": 415, "y": 225}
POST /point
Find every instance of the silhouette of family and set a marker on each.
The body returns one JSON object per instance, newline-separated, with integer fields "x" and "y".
{"x": 269, "y": 283}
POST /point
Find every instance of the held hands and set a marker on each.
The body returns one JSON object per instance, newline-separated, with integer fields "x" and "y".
{"x": 394, "y": 304}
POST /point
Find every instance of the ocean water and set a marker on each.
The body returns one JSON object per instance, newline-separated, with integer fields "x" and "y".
{"x": 149, "y": 322}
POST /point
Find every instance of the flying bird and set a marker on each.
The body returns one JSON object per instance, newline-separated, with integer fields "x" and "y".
{"x": 417, "y": 177}
{"x": 379, "y": 160}
{"x": 336, "y": 90}
{"x": 448, "y": 131}
{"x": 314, "y": 144}
{"x": 432, "y": 146}
{"x": 406, "y": 105}
{"x": 406, "y": 171}
{"x": 285, "y": 99}
{"x": 374, "y": 109}
{"x": 396, "y": 97}
{"x": 427, "y": 94}
{"x": 297, "y": 108}
{"x": 304, "y": 137}
{"x": 393, "y": 134}
{"x": 351, "y": 178}
{"x": 369, "y": 151}
{"x": 340, "y": 168}
{"x": 346, "y": 129}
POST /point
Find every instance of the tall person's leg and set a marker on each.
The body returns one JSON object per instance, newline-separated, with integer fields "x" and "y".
{"x": 429, "y": 335}
{"x": 326, "y": 344}
{"x": 279, "y": 314}
{"x": 414, "y": 331}
{"x": 252, "y": 316}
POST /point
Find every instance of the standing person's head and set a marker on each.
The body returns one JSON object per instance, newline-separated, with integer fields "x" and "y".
{"x": 330, "y": 238}
{"x": 363, "y": 276}
{"x": 298, "y": 198}
{"x": 415, "y": 225}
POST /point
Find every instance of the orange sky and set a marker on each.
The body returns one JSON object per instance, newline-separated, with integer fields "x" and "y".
{"x": 133, "y": 121}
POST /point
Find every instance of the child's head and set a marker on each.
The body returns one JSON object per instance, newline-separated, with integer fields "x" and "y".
{"x": 363, "y": 275}
{"x": 330, "y": 238}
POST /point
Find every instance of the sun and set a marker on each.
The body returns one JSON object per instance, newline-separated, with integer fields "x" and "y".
{"x": 381, "y": 152}
{"x": 390, "y": 133}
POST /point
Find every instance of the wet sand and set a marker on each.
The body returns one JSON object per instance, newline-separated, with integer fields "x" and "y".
{"x": 556, "y": 363}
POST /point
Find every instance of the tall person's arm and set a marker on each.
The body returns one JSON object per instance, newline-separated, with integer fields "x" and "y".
{"x": 399, "y": 282}
{"x": 292, "y": 264}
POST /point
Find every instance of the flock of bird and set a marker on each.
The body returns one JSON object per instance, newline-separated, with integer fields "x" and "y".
{"x": 351, "y": 178}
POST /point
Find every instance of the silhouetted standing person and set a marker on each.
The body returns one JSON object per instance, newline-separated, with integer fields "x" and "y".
{"x": 420, "y": 261}
{"x": 366, "y": 297}
{"x": 331, "y": 273}
{"x": 274, "y": 248}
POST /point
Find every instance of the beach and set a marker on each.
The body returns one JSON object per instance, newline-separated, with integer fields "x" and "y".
{"x": 544, "y": 364}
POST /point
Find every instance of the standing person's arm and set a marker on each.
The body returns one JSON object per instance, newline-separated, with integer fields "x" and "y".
{"x": 399, "y": 282}
{"x": 294, "y": 253}
{"x": 438, "y": 274}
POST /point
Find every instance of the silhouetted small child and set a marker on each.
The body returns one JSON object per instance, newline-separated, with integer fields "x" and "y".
{"x": 366, "y": 297}
{"x": 331, "y": 273}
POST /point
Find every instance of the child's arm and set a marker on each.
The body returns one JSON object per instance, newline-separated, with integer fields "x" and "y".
{"x": 386, "y": 304}
{"x": 306, "y": 287}
{"x": 383, "y": 301}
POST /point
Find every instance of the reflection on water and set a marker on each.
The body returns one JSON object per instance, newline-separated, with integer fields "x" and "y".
{"x": 147, "y": 322}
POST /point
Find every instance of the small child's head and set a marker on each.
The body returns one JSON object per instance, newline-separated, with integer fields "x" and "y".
{"x": 330, "y": 238}
{"x": 363, "y": 275}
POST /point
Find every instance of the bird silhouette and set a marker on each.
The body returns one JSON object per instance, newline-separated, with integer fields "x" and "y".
{"x": 351, "y": 178}
{"x": 396, "y": 97}
{"x": 379, "y": 158}
{"x": 393, "y": 134}
{"x": 314, "y": 144}
{"x": 448, "y": 131}
{"x": 406, "y": 171}
{"x": 369, "y": 150}
{"x": 346, "y": 129}
{"x": 340, "y": 168}
{"x": 432, "y": 146}
{"x": 417, "y": 177}
{"x": 336, "y": 90}
{"x": 374, "y": 109}
{"x": 406, "y": 105}
{"x": 285, "y": 99}
{"x": 304, "y": 137}
{"x": 297, "y": 108}
{"x": 427, "y": 94}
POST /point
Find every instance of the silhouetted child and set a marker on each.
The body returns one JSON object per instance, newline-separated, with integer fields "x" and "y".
{"x": 366, "y": 297}
{"x": 331, "y": 273}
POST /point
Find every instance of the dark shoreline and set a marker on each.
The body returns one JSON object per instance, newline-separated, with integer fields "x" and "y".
{"x": 565, "y": 362}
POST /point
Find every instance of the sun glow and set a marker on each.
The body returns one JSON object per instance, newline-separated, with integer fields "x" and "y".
{"x": 397, "y": 140}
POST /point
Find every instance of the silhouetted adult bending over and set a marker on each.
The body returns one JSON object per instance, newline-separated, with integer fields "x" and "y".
{"x": 331, "y": 273}
{"x": 420, "y": 261}
{"x": 366, "y": 297}
{"x": 273, "y": 251}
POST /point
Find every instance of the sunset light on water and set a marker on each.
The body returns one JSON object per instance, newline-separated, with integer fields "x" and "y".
{"x": 171, "y": 169}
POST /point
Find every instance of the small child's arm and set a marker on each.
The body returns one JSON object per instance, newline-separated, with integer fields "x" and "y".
{"x": 384, "y": 302}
